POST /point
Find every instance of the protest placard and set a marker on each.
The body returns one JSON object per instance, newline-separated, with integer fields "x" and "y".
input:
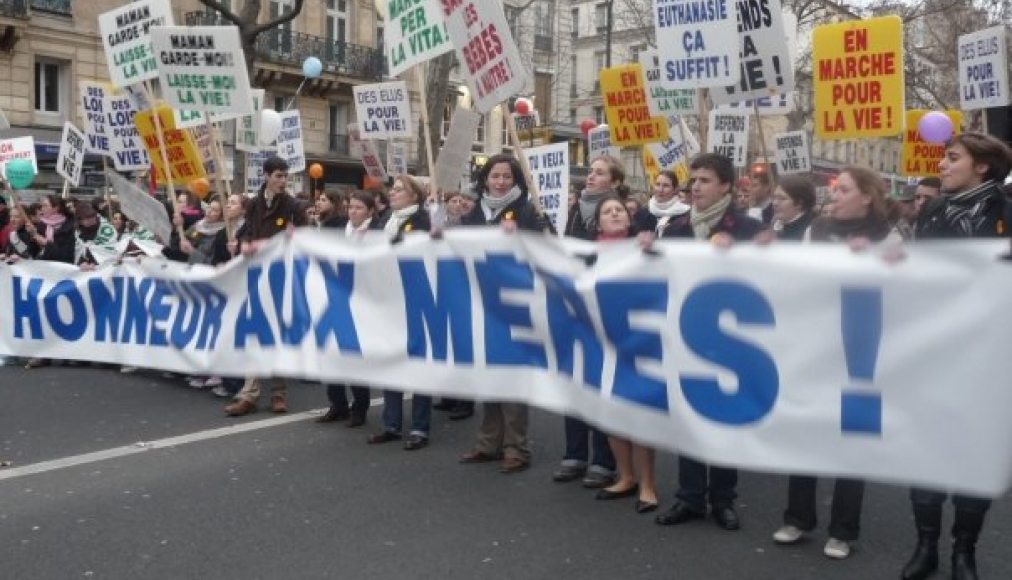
{"x": 290, "y": 147}
{"x": 202, "y": 68}
{"x": 484, "y": 44}
{"x": 625, "y": 104}
{"x": 125, "y": 144}
{"x": 771, "y": 106}
{"x": 695, "y": 44}
{"x": 354, "y": 140}
{"x": 397, "y": 158}
{"x": 858, "y": 69}
{"x": 70, "y": 159}
{"x": 766, "y": 64}
{"x": 17, "y": 148}
{"x": 728, "y": 135}
{"x": 918, "y": 158}
{"x": 527, "y": 122}
{"x": 205, "y": 147}
{"x": 126, "y": 36}
{"x": 793, "y": 154}
{"x": 662, "y": 100}
{"x": 650, "y": 166}
{"x": 247, "y": 127}
{"x": 371, "y": 160}
{"x": 415, "y": 32}
{"x": 93, "y": 104}
{"x": 456, "y": 151}
{"x": 550, "y": 171}
{"x": 983, "y": 69}
{"x": 599, "y": 143}
{"x": 383, "y": 110}
{"x": 141, "y": 207}
{"x": 675, "y": 152}
{"x": 185, "y": 163}
{"x": 255, "y": 169}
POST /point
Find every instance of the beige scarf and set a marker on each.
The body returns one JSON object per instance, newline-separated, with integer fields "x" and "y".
{"x": 703, "y": 220}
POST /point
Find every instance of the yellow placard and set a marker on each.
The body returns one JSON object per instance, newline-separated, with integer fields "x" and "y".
{"x": 858, "y": 70}
{"x": 920, "y": 158}
{"x": 185, "y": 163}
{"x": 650, "y": 166}
{"x": 625, "y": 104}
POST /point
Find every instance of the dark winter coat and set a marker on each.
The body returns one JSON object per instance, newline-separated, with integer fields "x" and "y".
{"x": 521, "y": 211}
{"x": 977, "y": 213}
{"x": 734, "y": 222}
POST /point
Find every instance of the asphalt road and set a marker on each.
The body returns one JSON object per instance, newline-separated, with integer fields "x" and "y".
{"x": 304, "y": 500}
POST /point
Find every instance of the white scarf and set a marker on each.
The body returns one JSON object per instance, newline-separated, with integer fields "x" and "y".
{"x": 350, "y": 230}
{"x": 703, "y": 220}
{"x": 493, "y": 206}
{"x": 397, "y": 219}
{"x": 664, "y": 211}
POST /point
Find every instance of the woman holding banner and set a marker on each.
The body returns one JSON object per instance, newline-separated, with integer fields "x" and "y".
{"x": 605, "y": 177}
{"x": 793, "y": 207}
{"x": 361, "y": 206}
{"x": 972, "y": 172}
{"x": 56, "y": 243}
{"x": 407, "y": 199}
{"x": 662, "y": 207}
{"x": 859, "y": 217}
{"x": 504, "y": 200}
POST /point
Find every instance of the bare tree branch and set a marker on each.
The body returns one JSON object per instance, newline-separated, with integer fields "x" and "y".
{"x": 281, "y": 19}
{"x": 223, "y": 10}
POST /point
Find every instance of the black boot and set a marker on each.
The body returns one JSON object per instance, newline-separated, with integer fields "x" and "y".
{"x": 924, "y": 562}
{"x": 965, "y": 531}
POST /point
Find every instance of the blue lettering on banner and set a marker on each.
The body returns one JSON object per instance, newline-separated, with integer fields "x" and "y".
{"x": 27, "y": 306}
{"x": 631, "y": 344}
{"x": 569, "y": 322}
{"x": 336, "y": 318}
{"x": 78, "y": 323}
{"x": 293, "y": 331}
{"x": 861, "y": 326}
{"x": 449, "y": 311}
{"x": 496, "y": 273}
{"x": 160, "y": 312}
{"x": 136, "y": 319}
{"x": 106, "y": 306}
{"x": 252, "y": 319}
{"x": 758, "y": 379}
{"x": 184, "y": 327}
{"x": 214, "y": 308}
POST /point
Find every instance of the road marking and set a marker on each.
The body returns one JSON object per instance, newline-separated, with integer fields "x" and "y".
{"x": 176, "y": 441}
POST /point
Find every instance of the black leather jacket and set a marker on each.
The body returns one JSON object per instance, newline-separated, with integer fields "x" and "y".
{"x": 976, "y": 213}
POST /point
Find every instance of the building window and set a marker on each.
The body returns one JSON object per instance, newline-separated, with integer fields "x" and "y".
{"x": 337, "y": 20}
{"x": 572, "y": 77}
{"x": 279, "y": 104}
{"x": 599, "y": 65}
{"x": 635, "y": 51}
{"x": 575, "y": 25}
{"x": 479, "y": 138}
{"x": 599, "y": 115}
{"x": 512, "y": 14}
{"x": 338, "y": 119}
{"x": 49, "y": 89}
{"x": 601, "y": 18}
{"x": 544, "y": 24}
{"x": 282, "y": 35}
{"x": 448, "y": 108}
{"x": 572, "y": 115}
{"x": 379, "y": 35}
{"x": 505, "y": 131}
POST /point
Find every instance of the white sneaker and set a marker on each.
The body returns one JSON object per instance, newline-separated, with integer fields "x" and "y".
{"x": 837, "y": 549}
{"x": 213, "y": 382}
{"x": 126, "y": 370}
{"x": 220, "y": 391}
{"x": 787, "y": 535}
{"x": 197, "y": 383}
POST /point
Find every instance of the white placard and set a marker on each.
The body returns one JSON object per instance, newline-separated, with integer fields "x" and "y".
{"x": 93, "y": 104}
{"x": 765, "y": 53}
{"x": 255, "y": 169}
{"x": 489, "y": 57}
{"x": 125, "y": 143}
{"x": 383, "y": 110}
{"x": 694, "y": 43}
{"x": 599, "y": 143}
{"x": 141, "y": 207}
{"x": 17, "y": 148}
{"x": 126, "y": 36}
{"x": 661, "y": 100}
{"x": 371, "y": 160}
{"x": 527, "y": 122}
{"x": 397, "y": 158}
{"x": 71, "y": 156}
{"x": 456, "y": 151}
{"x": 290, "y": 146}
{"x": 793, "y": 154}
{"x": 247, "y": 127}
{"x": 766, "y": 106}
{"x": 414, "y": 33}
{"x": 983, "y": 69}
{"x": 204, "y": 141}
{"x": 202, "y": 68}
{"x": 550, "y": 171}
{"x": 728, "y": 135}
{"x": 680, "y": 147}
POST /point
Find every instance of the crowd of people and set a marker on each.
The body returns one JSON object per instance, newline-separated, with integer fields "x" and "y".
{"x": 967, "y": 201}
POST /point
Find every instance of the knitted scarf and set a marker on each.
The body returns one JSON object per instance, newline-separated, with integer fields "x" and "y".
{"x": 666, "y": 210}
{"x": 53, "y": 223}
{"x": 397, "y": 219}
{"x": 588, "y": 206}
{"x": 703, "y": 220}
{"x": 349, "y": 229}
{"x": 493, "y": 206}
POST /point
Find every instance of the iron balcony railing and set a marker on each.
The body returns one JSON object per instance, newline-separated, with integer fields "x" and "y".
{"x": 339, "y": 143}
{"x": 61, "y": 7}
{"x": 283, "y": 46}
{"x": 14, "y": 8}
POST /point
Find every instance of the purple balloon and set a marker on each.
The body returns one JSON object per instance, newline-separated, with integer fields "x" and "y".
{"x": 935, "y": 127}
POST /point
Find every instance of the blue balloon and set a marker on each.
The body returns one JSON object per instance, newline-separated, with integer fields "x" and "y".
{"x": 20, "y": 173}
{"x": 312, "y": 67}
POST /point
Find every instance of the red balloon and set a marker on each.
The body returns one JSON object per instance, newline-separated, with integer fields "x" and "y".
{"x": 586, "y": 125}
{"x": 522, "y": 106}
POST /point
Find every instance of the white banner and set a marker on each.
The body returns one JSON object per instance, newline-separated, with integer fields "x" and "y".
{"x": 485, "y": 46}
{"x": 70, "y": 158}
{"x": 126, "y": 36}
{"x": 125, "y": 143}
{"x": 694, "y": 43}
{"x": 93, "y": 103}
{"x": 140, "y": 207}
{"x": 983, "y": 69}
{"x": 202, "y": 68}
{"x": 550, "y": 171}
{"x": 793, "y": 154}
{"x": 456, "y": 152}
{"x": 290, "y": 146}
{"x": 728, "y": 135}
{"x": 800, "y": 359}
{"x": 383, "y": 110}
{"x": 766, "y": 64}
{"x": 414, "y": 33}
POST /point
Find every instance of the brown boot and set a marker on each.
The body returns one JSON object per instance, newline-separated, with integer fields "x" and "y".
{"x": 240, "y": 408}
{"x": 278, "y": 404}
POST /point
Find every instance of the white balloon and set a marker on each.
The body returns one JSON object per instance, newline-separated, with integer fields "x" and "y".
{"x": 270, "y": 126}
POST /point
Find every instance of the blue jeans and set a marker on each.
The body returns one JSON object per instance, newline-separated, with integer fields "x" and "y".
{"x": 393, "y": 412}
{"x": 578, "y": 434}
